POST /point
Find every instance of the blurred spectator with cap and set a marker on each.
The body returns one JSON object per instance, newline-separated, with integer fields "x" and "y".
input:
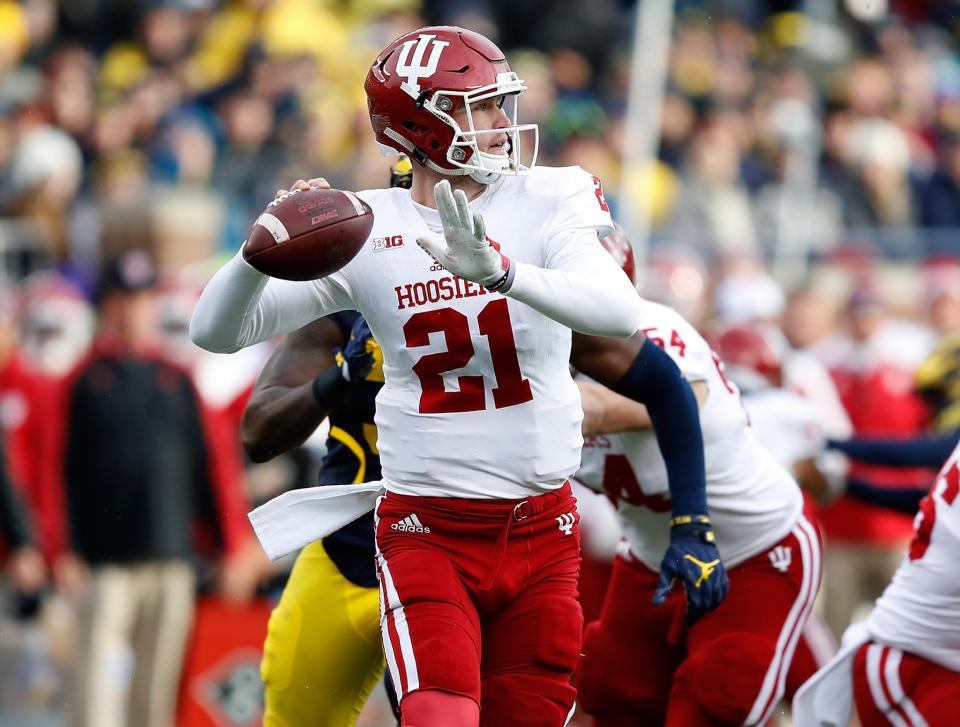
{"x": 138, "y": 471}
{"x": 57, "y": 324}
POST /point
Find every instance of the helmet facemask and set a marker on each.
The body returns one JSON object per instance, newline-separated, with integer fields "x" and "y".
{"x": 464, "y": 151}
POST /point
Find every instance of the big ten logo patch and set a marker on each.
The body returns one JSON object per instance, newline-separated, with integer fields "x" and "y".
{"x": 391, "y": 242}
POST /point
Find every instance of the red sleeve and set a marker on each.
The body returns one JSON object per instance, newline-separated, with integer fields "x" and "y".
{"x": 225, "y": 462}
{"x": 50, "y": 434}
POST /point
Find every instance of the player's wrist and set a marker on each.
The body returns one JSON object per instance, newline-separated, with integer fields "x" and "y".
{"x": 692, "y": 526}
{"x": 502, "y": 280}
{"x": 330, "y": 388}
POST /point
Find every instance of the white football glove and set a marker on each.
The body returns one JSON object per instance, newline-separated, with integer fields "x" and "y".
{"x": 464, "y": 248}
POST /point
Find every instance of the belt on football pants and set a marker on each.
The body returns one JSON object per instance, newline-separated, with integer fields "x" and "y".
{"x": 521, "y": 511}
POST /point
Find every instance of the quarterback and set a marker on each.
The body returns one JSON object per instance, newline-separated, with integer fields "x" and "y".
{"x": 477, "y": 540}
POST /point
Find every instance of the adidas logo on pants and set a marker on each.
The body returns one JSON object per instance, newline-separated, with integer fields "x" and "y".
{"x": 410, "y": 524}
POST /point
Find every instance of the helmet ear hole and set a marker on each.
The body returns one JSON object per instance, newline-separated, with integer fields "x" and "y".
{"x": 414, "y": 127}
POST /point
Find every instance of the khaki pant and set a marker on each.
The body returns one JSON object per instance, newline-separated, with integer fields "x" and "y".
{"x": 854, "y": 576}
{"x": 146, "y": 608}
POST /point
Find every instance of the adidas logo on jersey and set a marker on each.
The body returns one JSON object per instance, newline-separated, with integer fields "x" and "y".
{"x": 566, "y": 523}
{"x": 780, "y": 558}
{"x": 410, "y": 524}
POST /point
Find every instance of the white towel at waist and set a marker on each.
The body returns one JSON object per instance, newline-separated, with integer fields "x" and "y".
{"x": 299, "y": 517}
{"x": 826, "y": 698}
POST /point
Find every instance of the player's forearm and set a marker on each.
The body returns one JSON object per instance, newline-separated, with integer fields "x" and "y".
{"x": 279, "y": 419}
{"x": 241, "y": 306}
{"x": 622, "y": 414}
{"x": 914, "y": 452}
{"x": 224, "y": 319}
{"x": 901, "y": 499}
{"x": 654, "y": 380}
{"x": 589, "y": 302}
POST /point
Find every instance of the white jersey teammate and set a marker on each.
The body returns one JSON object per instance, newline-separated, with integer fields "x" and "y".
{"x": 735, "y": 662}
{"x": 902, "y": 666}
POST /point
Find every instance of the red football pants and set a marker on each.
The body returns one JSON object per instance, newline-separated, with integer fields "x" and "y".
{"x": 643, "y": 666}
{"x": 479, "y": 598}
{"x": 816, "y": 647}
{"x": 893, "y": 687}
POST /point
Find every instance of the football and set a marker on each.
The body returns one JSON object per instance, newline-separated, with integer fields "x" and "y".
{"x": 305, "y": 235}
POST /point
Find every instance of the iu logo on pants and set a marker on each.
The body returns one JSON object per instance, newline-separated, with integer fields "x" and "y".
{"x": 781, "y": 557}
{"x": 566, "y": 523}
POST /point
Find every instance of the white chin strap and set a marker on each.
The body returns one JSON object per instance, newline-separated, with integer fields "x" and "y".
{"x": 493, "y": 166}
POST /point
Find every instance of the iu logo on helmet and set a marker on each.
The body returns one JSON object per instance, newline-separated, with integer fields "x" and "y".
{"x": 413, "y": 69}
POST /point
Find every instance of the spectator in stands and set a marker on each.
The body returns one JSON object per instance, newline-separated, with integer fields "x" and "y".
{"x": 713, "y": 209}
{"x": 873, "y": 367}
{"x": 138, "y": 473}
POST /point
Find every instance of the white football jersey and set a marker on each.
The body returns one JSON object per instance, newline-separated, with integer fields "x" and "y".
{"x": 753, "y": 501}
{"x": 478, "y": 400}
{"x": 785, "y": 424}
{"x": 919, "y": 611}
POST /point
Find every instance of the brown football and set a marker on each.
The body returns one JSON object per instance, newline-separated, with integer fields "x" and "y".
{"x": 308, "y": 235}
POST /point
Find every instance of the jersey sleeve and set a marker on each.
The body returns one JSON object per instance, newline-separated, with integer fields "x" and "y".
{"x": 579, "y": 284}
{"x": 241, "y": 306}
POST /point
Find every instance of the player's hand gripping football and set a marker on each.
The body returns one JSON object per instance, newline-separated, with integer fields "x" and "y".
{"x": 303, "y": 185}
{"x": 464, "y": 248}
{"x": 694, "y": 560}
{"x": 356, "y": 358}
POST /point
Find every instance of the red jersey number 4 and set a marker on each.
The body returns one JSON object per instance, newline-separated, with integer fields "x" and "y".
{"x": 494, "y": 322}
{"x": 948, "y": 487}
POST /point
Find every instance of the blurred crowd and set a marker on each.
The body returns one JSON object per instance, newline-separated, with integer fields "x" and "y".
{"x": 139, "y": 139}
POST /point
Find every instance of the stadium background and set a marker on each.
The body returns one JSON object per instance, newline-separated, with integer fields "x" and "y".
{"x": 807, "y": 171}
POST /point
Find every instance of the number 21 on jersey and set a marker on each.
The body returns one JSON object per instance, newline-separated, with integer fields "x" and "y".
{"x": 494, "y": 322}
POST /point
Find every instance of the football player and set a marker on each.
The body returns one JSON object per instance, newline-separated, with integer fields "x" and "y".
{"x": 645, "y": 665}
{"x": 789, "y": 427}
{"x": 905, "y": 659}
{"x": 479, "y": 419}
{"x": 322, "y": 656}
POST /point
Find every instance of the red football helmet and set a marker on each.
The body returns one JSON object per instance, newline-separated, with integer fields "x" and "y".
{"x": 618, "y": 244}
{"x": 422, "y": 79}
{"x": 749, "y": 349}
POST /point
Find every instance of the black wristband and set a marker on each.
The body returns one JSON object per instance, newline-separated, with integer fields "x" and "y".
{"x": 330, "y": 388}
{"x": 505, "y": 281}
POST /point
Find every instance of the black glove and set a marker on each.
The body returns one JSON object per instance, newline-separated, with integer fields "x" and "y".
{"x": 353, "y": 363}
{"x": 693, "y": 559}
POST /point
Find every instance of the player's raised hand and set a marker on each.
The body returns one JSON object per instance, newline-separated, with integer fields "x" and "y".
{"x": 693, "y": 559}
{"x": 464, "y": 248}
